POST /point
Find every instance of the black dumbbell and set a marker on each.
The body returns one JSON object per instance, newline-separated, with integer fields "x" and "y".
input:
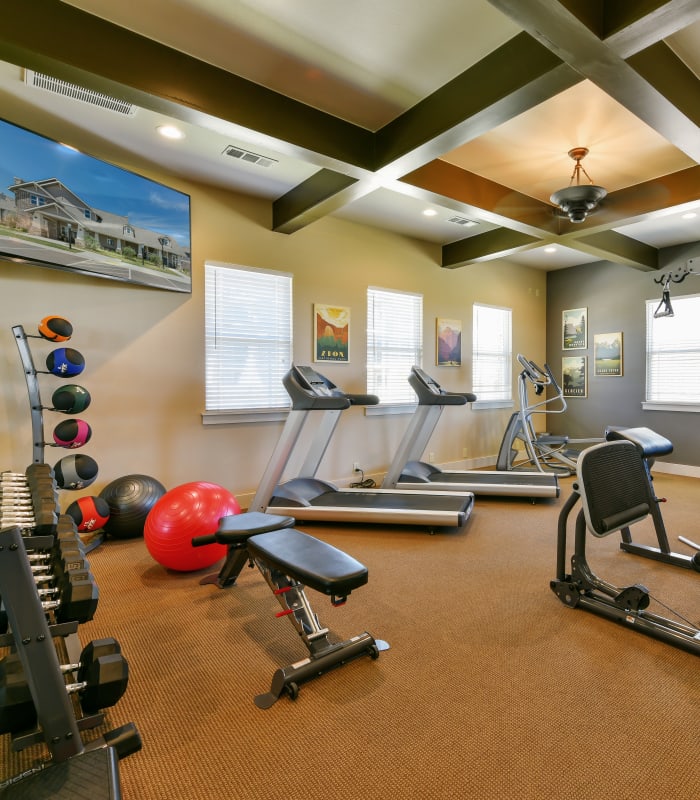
{"x": 102, "y": 679}
{"x": 77, "y": 596}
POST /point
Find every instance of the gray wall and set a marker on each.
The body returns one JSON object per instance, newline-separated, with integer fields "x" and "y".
{"x": 615, "y": 297}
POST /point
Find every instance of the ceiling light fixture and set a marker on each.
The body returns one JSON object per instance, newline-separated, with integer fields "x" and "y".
{"x": 429, "y": 212}
{"x": 170, "y": 132}
{"x": 578, "y": 200}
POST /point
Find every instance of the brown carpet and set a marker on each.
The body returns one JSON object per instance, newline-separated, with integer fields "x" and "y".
{"x": 491, "y": 689}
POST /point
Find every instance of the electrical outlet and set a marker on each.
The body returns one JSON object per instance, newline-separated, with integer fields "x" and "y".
{"x": 356, "y": 466}
{"x": 431, "y": 458}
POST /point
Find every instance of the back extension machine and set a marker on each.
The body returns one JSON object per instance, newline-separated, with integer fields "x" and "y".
{"x": 613, "y": 488}
{"x": 650, "y": 445}
{"x": 289, "y": 560}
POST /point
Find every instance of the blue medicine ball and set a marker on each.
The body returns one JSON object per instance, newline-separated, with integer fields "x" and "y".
{"x": 65, "y": 362}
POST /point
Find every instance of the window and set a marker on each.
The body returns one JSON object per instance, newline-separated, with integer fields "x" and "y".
{"x": 492, "y": 354}
{"x": 673, "y": 355}
{"x": 248, "y": 321}
{"x": 394, "y": 343}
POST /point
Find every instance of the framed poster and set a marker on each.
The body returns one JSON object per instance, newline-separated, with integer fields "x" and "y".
{"x": 607, "y": 354}
{"x": 573, "y": 375}
{"x": 448, "y": 342}
{"x": 574, "y": 329}
{"x": 331, "y": 333}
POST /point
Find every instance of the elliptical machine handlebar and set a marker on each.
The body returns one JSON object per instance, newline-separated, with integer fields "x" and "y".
{"x": 540, "y": 377}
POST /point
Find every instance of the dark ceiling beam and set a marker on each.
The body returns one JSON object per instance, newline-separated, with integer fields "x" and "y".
{"x": 552, "y": 24}
{"x": 612, "y": 246}
{"x": 631, "y": 27}
{"x": 628, "y": 27}
{"x": 519, "y": 75}
{"x": 663, "y": 70}
{"x": 514, "y": 78}
{"x": 499, "y": 243}
{"x": 59, "y": 39}
{"x": 324, "y": 192}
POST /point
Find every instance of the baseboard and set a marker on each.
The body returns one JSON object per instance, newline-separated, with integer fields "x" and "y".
{"x": 677, "y": 469}
{"x": 246, "y": 498}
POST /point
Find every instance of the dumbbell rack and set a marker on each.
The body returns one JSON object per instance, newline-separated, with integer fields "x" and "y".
{"x": 33, "y": 640}
{"x": 74, "y": 769}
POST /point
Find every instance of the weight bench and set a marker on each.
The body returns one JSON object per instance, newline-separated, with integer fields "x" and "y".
{"x": 290, "y": 560}
{"x": 651, "y": 445}
{"x": 613, "y": 488}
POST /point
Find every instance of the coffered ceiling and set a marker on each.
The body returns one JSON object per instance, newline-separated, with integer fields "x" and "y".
{"x": 376, "y": 111}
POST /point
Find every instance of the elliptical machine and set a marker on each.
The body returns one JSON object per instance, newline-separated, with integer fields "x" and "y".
{"x": 522, "y": 448}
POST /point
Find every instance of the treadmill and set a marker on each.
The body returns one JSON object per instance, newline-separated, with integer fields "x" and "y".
{"x": 408, "y": 473}
{"x": 310, "y": 499}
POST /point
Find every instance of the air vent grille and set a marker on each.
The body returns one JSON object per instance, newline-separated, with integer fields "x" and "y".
{"x": 57, "y": 86}
{"x": 251, "y": 158}
{"x": 467, "y": 223}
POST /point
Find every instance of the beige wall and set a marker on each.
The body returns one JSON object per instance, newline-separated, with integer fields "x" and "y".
{"x": 144, "y": 348}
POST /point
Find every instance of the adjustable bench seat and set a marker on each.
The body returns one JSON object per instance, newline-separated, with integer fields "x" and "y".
{"x": 312, "y": 562}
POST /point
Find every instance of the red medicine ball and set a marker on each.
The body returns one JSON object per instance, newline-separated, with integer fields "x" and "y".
{"x": 89, "y": 513}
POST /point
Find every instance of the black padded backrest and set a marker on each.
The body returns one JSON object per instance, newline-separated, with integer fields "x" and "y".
{"x": 613, "y": 486}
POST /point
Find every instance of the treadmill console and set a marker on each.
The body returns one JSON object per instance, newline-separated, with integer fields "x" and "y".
{"x": 316, "y": 383}
{"x": 429, "y": 382}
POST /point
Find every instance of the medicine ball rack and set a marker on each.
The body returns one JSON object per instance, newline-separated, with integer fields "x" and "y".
{"x": 35, "y": 406}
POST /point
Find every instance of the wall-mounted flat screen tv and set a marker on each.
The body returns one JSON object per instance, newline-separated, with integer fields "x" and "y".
{"x": 63, "y": 209}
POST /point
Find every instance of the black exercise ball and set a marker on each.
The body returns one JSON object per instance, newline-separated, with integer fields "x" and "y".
{"x": 130, "y": 498}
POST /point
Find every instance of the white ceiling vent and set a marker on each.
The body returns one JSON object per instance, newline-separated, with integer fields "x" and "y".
{"x": 57, "y": 86}
{"x": 251, "y": 158}
{"x": 467, "y": 223}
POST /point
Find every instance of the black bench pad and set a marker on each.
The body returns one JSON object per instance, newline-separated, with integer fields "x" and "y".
{"x": 649, "y": 443}
{"x": 236, "y": 528}
{"x": 310, "y": 561}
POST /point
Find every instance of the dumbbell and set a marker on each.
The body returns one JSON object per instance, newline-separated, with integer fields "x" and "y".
{"x": 102, "y": 679}
{"x": 75, "y": 591}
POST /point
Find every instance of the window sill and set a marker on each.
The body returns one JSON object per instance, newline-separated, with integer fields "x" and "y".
{"x": 482, "y": 404}
{"x": 389, "y": 408}
{"x": 692, "y": 408}
{"x": 244, "y": 415}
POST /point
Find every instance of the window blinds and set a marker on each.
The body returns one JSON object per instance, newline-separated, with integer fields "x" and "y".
{"x": 394, "y": 343}
{"x": 492, "y": 353}
{"x": 673, "y": 352}
{"x": 248, "y": 321}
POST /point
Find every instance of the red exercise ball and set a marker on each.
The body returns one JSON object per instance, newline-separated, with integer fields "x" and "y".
{"x": 193, "y": 509}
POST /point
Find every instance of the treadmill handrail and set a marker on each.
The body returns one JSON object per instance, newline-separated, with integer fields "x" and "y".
{"x": 430, "y": 393}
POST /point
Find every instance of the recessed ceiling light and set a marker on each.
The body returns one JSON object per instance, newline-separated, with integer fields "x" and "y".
{"x": 170, "y": 132}
{"x": 689, "y": 215}
{"x": 550, "y": 249}
{"x": 429, "y": 212}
